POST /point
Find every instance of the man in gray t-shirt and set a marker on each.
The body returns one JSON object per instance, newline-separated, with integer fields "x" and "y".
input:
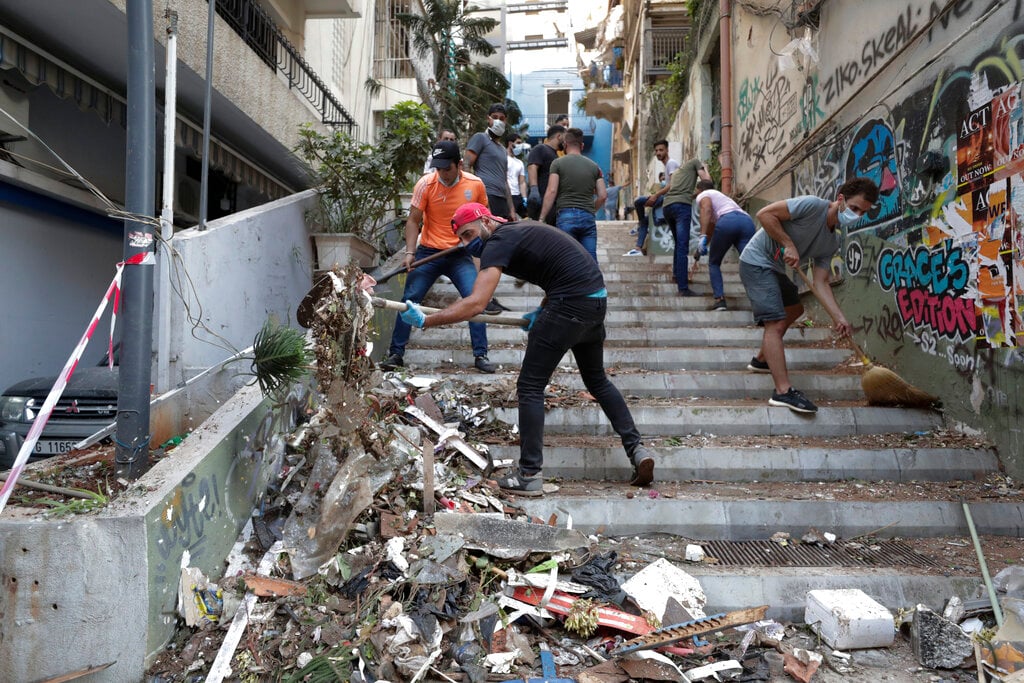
{"x": 792, "y": 232}
{"x": 487, "y": 158}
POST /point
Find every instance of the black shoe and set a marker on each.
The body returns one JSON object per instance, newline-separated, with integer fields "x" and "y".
{"x": 521, "y": 485}
{"x": 756, "y": 365}
{"x": 720, "y": 305}
{"x": 687, "y": 293}
{"x": 643, "y": 466}
{"x": 794, "y": 400}
{"x": 494, "y": 308}
{"x": 484, "y": 365}
{"x": 392, "y": 362}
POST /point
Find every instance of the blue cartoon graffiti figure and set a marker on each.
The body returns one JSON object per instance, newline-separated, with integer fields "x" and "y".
{"x": 873, "y": 155}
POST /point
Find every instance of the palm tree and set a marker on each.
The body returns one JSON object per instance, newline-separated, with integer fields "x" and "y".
{"x": 445, "y": 37}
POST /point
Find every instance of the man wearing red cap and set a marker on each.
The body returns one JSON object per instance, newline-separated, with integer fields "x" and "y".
{"x": 571, "y": 317}
{"x": 434, "y": 200}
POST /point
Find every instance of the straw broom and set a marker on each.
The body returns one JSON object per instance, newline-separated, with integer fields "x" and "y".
{"x": 881, "y": 386}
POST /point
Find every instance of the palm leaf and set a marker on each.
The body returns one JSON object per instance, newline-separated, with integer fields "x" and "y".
{"x": 280, "y": 357}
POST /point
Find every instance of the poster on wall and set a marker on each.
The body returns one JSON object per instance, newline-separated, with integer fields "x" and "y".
{"x": 975, "y": 153}
{"x": 1008, "y": 132}
{"x": 992, "y": 267}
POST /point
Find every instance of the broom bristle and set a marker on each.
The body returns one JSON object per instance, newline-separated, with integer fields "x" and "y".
{"x": 883, "y": 387}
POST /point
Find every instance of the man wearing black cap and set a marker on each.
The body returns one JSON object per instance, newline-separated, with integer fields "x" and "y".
{"x": 434, "y": 200}
{"x": 571, "y": 317}
{"x": 486, "y": 156}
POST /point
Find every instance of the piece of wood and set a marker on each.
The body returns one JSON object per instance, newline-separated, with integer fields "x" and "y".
{"x": 77, "y": 674}
{"x": 449, "y": 435}
{"x": 429, "y": 504}
{"x": 59, "y": 490}
{"x": 270, "y": 587}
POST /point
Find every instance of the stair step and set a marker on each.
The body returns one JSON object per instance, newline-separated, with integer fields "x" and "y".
{"x": 681, "y": 336}
{"x": 516, "y": 301}
{"x": 739, "y": 418}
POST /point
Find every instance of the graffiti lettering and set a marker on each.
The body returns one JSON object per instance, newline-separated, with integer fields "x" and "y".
{"x": 194, "y": 503}
{"x": 888, "y": 325}
{"x": 764, "y": 133}
{"x": 748, "y": 98}
{"x": 949, "y": 316}
{"x": 939, "y": 271}
{"x": 876, "y": 50}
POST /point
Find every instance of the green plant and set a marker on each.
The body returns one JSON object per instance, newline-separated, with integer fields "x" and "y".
{"x": 405, "y": 139}
{"x": 280, "y": 357}
{"x": 95, "y": 500}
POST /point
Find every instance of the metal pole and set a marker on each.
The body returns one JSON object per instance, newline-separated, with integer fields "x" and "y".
{"x": 132, "y": 452}
{"x": 204, "y": 184}
{"x": 725, "y": 47}
{"x": 163, "y": 353}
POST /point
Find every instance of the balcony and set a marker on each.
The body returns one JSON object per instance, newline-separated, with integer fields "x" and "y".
{"x": 606, "y": 103}
{"x": 661, "y": 46}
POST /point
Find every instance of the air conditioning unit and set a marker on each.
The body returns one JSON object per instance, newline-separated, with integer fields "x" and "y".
{"x": 186, "y": 197}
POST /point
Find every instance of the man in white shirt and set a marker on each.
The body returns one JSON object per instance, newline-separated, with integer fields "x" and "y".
{"x": 652, "y": 201}
{"x": 516, "y": 175}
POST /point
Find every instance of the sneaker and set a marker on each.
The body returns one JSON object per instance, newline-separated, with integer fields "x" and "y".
{"x": 493, "y": 307}
{"x": 687, "y": 293}
{"x": 720, "y": 305}
{"x": 483, "y": 365}
{"x": 794, "y": 400}
{"x": 521, "y": 485}
{"x": 634, "y": 252}
{"x": 392, "y": 361}
{"x": 643, "y": 466}
{"x": 756, "y": 365}
{"x": 633, "y": 231}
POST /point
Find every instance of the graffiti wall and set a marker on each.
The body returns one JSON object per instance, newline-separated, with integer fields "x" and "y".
{"x": 928, "y": 105}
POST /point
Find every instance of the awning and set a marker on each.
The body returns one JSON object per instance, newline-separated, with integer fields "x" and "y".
{"x": 40, "y": 68}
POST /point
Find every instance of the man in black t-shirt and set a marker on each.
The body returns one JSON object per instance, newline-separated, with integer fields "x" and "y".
{"x": 571, "y": 317}
{"x": 538, "y": 167}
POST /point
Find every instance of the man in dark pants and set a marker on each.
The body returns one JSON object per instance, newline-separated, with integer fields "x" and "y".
{"x": 571, "y": 317}
{"x": 538, "y": 168}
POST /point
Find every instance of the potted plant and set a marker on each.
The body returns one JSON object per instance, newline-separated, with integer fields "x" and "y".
{"x": 359, "y": 183}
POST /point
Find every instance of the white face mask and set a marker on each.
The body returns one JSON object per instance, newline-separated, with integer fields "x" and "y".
{"x": 497, "y": 128}
{"x": 520, "y": 148}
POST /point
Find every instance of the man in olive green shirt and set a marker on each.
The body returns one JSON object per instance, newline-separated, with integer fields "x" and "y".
{"x": 576, "y": 190}
{"x": 678, "y": 207}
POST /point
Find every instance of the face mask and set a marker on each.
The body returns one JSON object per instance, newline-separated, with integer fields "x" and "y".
{"x": 520, "y": 148}
{"x": 848, "y": 216}
{"x": 446, "y": 184}
{"x": 497, "y": 128}
{"x": 475, "y": 247}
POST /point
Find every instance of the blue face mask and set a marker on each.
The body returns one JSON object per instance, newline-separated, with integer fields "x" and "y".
{"x": 848, "y": 217}
{"x": 475, "y": 247}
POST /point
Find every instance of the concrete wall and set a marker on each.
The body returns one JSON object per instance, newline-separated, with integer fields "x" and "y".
{"x": 244, "y": 268}
{"x": 929, "y": 106}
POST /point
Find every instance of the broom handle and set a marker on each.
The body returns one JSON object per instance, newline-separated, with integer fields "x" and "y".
{"x": 856, "y": 349}
{"x": 501, "y": 319}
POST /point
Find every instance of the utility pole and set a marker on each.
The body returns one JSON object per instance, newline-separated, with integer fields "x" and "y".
{"x": 132, "y": 436}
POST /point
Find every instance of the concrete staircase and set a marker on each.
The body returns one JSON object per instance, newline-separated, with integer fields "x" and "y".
{"x": 732, "y": 468}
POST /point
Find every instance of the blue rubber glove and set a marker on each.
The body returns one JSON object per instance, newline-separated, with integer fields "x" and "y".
{"x": 413, "y": 315}
{"x": 702, "y": 244}
{"x": 531, "y": 318}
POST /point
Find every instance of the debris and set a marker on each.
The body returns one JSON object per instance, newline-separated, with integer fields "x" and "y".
{"x": 937, "y": 642}
{"x": 1005, "y": 652}
{"x": 654, "y": 584}
{"x": 673, "y": 634}
{"x": 562, "y": 603}
{"x": 547, "y": 664}
{"x": 451, "y": 436}
{"x": 695, "y": 553}
{"x": 507, "y": 538}
{"x": 718, "y": 671}
{"x": 849, "y": 619}
{"x": 651, "y": 665}
{"x": 269, "y": 587}
{"x": 954, "y": 610}
{"x": 1010, "y": 581}
{"x": 801, "y": 664}
{"x": 200, "y": 602}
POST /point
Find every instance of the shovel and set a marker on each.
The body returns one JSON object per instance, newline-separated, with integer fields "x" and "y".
{"x": 881, "y": 385}
{"x": 547, "y": 664}
{"x": 501, "y": 319}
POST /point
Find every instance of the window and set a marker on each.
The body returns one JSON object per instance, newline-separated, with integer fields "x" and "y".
{"x": 391, "y": 41}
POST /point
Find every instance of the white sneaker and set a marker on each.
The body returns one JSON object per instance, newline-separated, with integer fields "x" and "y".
{"x": 634, "y": 252}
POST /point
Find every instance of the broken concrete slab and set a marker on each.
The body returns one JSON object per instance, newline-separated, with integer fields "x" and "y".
{"x": 507, "y": 538}
{"x": 937, "y": 642}
{"x": 654, "y": 584}
{"x": 849, "y": 619}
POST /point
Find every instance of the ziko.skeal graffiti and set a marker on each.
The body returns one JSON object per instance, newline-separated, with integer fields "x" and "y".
{"x": 929, "y": 286}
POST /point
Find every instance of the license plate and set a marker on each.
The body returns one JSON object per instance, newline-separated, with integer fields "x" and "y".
{"x": 54, "y": 447}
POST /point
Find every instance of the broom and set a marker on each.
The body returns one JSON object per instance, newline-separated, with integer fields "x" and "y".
{"x": 882, "y": 386}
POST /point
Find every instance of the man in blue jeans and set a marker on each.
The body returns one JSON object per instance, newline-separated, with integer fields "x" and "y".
{"x": 571, "y": 317}
{"x": 573, "y": 183}
{"x": 435, "y": 198}
{"x": 654, "y": 201}
{"x": 678, "y": 210}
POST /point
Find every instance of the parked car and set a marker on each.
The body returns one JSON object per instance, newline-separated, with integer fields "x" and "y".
{"x": 88, "y": 404}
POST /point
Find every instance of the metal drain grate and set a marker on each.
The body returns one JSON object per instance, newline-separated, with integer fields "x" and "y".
{"x": 771, "y": 554}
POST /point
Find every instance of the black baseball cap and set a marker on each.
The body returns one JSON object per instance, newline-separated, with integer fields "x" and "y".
{"x": 444, "y": 153}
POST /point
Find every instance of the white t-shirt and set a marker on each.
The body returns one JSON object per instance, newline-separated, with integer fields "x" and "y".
{"x": 515, "y": 170}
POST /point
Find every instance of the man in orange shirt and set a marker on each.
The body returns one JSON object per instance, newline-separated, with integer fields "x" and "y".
{"x": 434, "y": 200}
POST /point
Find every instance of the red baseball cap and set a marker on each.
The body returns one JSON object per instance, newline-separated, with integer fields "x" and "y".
{"x": 467, "y": 213}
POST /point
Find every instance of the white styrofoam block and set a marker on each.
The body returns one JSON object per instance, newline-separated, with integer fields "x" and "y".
{"x": 652, "y": 586}
{"x": 849, "y": 619}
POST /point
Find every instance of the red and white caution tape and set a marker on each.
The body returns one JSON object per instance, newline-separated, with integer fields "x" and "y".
{"x": 114, "y": 290}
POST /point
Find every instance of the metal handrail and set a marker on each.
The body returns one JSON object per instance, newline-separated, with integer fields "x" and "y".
{"x": 252, "y": 23}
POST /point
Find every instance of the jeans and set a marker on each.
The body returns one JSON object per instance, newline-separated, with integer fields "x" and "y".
{"x": 460, "y": 268}
{"x": 582, "y": 225}
{"x": 640, "y": 205}
{"x": 731, "y": 230}
{"x": 678, "y": 216}
{"x": 564, "y": 324}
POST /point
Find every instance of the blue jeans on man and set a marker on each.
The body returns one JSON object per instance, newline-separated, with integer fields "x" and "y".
{"x": 565, "y": 324}
{"x": 459, "y": 267}
{"x": 582, "y": 225}
{"x": 731, "y": 230}
{"x": 641, "y": 215}
{"x": 678, "y": 217}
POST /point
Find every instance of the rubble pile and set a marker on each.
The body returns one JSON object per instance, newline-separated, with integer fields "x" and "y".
{"x": 384, "y": 553}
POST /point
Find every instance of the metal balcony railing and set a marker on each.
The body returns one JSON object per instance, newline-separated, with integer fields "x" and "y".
{"x": 252, "y": 23}
{"x": 662, "y": 45}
